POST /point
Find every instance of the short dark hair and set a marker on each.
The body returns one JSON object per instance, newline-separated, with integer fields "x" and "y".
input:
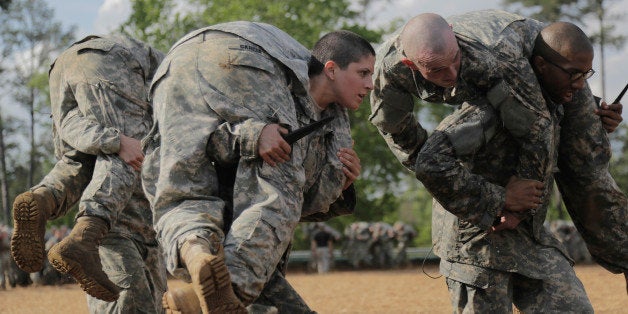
{"x": 342, "y": 47}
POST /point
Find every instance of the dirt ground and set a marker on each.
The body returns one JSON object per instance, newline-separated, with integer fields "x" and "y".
{"x": 392, "y": 291}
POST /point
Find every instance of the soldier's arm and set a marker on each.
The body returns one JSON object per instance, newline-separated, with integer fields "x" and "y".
{"x": 439, "y": 168}
{"x": 519, "y": 100}
{"x": 87, "y": 135}
{"x": 392, "y": 112}
{"x": 91, "y": 137}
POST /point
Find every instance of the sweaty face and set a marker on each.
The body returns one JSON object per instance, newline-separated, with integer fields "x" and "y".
{"x": 556, "y": 76}
{"x": 354, "y": 82}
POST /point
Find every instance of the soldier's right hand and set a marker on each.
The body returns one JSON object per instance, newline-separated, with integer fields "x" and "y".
{"x": 523, "y": 194}
{"x": 131, "y": 152}
{"x": 271, "y": 146}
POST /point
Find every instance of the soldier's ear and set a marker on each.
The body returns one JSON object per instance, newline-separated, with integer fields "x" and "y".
{"x": 409, "y": 64}
{"x": 329, "y": 69}
{"x": 539, "y": 64}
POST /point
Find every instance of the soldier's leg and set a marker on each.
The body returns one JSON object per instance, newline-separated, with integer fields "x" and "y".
{"x": 109, "y": 191}
{"x": 561, "y": 292}
{"x": 280, "y": 294}
{"x": 59, "y": 190}
{"x": 133, "y": 267}
{"x": 496, "y": 298}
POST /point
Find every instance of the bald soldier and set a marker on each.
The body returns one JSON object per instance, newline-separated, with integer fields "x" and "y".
{"x": 487, "y": 55}
{"x": 489, "y": 269}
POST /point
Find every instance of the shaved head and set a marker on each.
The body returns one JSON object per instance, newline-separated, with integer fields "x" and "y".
{"x": 425, "y": 35}
{"x": 565, "y": 38}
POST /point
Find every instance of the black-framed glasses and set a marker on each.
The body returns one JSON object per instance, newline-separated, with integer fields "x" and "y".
{"x": 573, "y": 76}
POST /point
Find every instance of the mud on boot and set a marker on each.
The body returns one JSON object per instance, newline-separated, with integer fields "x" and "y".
{"x": 210, "y": 277}
{"x": 77, "y": 255}
{"x": 31, "y": 210}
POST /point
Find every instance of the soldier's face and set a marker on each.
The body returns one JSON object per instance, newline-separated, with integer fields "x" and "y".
{"x": 354, "y": 82}
{"x": 442, "y": 69}
{"x": 561, "y": 79}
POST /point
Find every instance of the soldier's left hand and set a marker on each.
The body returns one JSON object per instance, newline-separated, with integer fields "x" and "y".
{"x": 610, "y": 116}
{"x": 352, "y": 167}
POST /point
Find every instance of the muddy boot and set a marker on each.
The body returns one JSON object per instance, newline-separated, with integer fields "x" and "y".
{"x": 181, "y": 301}
{"x": 210, "y": 277}
{"x": 31, "y": 210}
{"x": 77, "y": 255}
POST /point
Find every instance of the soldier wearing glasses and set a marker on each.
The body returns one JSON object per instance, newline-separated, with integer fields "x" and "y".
{"x": 489, "y": 55}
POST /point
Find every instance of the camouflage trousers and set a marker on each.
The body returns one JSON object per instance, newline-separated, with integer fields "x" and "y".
{"x": 138, "y": 269}
{"x": 104, "y": 184}
{"x": 559, "y": 292}
{"x": 280, "y": 294}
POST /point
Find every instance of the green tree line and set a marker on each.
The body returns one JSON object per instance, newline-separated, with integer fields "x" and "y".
{"x": 386, "y": 191}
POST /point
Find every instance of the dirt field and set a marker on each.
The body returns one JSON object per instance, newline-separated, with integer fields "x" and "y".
{"x": 403, "y": 291}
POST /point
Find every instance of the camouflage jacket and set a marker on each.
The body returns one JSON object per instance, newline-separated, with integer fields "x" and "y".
{"x": 98, "y": 89}
{"x": 240, "y": 124}
{"x": 465, "y": 165}
{"x": 87, "y": 94}
{"x": 495, "y": 49}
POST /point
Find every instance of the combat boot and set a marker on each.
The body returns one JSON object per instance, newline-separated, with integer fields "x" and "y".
{"x": 77, "y": 255}
{"x": 181, "y": 301}
{"x": 31, "y": 210}
{"x": 210, "y": 277}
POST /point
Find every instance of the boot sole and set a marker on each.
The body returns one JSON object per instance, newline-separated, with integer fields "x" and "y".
{"x": 214, "y": 286}
{"x": 27, "y": 242}
{"x": 169, "y": 305}
{"x": 173, "y": 305}
{"x": 74, "y": 269}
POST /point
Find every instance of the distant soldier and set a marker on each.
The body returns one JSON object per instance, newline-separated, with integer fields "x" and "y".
{"x": 404, "y": 234}
{"x": 356, "y": 247}
{"x": 322, "y": 240}
{"x": 568, "y": 234}
{"x": 381, "y": 247}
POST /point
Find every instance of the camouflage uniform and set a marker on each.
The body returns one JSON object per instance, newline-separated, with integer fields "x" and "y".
{"x": 213, "y": 93}
{"x": 465, "y": 164}
{"x": 495, "y": 49}
{"x": 381, "y": 247}
{"x": 99, "y": 90}
{"x": 356, "y": 248}
{"x": 566, "y": 232}
{"x": 597, "y": 206}
{"x": 404, "y": 234}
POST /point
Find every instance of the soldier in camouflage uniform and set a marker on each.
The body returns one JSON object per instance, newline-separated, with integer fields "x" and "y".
{"x": 381, "y": 245}
{"x": 493, "y": 247}
{"x": 100, "y": 112}
{"x": 567, "y": 233}
{"x": 491, "y": 60}
{"x": 356, "y": 246}
{"x": 404, "y": 234}
{"x": 224, "y": 94}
